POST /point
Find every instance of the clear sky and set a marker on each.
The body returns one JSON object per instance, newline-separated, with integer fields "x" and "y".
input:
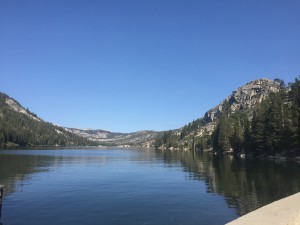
{"x": 128, "y": 65}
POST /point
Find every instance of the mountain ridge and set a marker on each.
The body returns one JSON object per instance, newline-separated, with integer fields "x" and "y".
{"x": 144, "y": 138}
{"x": 260, "y": 118}
{"x": 245, "y": 98}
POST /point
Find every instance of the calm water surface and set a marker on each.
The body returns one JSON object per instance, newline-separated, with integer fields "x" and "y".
{"x": 137, "y": 186}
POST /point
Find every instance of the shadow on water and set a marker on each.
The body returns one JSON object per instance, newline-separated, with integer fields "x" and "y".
{"x": 246, "y": 184}
{"x": 15, "y": 169}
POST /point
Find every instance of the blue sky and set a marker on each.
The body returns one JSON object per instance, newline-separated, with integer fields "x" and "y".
{"x": 132, "y": 65}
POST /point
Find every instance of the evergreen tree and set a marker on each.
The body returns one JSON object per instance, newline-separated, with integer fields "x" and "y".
{"x": 237, "y": 139}
{"x": 294, "y": 97}
{"x": 247, "y": 136}
{"x": 259, "y": 128}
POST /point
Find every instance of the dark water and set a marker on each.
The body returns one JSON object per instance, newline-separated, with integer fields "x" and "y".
{"x": 137, "y": 186}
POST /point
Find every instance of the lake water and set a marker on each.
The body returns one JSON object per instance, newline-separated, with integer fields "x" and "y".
{"x": 137, "y": 186}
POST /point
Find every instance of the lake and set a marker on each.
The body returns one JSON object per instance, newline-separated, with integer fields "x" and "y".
{"x": 137, "y": 186}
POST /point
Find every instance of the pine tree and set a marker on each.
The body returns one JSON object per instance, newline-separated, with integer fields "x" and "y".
{"x": 237, "y": 139}
{"x": 225, "y": 133}
{"x": 294, "y": 97}
{"x": 259, "y": 128}
{"x": 247, "y": 136}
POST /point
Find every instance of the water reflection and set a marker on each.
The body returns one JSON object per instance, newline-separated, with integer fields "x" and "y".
{"x": 245, "y": 184}
{"x": 18, "y": 167}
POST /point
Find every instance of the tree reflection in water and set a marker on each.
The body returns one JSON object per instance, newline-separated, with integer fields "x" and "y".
{"x": 246, "y": 184}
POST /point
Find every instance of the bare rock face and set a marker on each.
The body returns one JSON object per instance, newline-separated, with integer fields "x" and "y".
{"x": 15, "y": 106}
{"x": 245, "y": 97}
{"x": 252, "y": 93}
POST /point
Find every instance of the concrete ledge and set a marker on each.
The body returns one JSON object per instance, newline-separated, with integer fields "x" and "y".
{"x": 282, "y": 212}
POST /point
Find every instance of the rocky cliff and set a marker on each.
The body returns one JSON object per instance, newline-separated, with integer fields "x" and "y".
{"x": 244, "y": 98}
{"x": 198, "y": 133}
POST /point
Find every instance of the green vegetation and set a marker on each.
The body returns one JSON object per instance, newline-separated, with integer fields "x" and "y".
{"x": 272, "y": 127}
{"x": 20, "y": 129}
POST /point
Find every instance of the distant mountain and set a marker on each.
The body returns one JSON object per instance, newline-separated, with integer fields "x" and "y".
{"x": 144, "y": 138}
{"x": 20, "y": 127}
{"x": 261, "y": 118}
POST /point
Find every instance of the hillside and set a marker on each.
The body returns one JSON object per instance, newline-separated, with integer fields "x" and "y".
{"x": 144, "y": 138}
{"x": 20, "y": 127}
{"x": 261, "y": 118}
{"x": 245, "y": 99}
